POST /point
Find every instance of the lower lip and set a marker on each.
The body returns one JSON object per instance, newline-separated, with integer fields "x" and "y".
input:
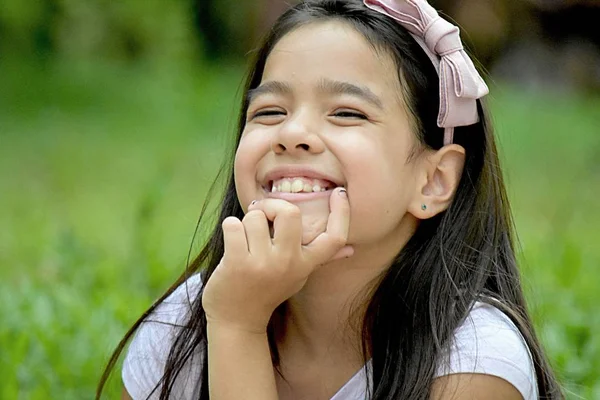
{"x": 298, "y": 197}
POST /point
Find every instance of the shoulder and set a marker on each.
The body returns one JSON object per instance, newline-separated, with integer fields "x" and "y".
{"x": 148, "y": 351}
{"x": 488, "y": 348}
{"x": 473, "y": 386}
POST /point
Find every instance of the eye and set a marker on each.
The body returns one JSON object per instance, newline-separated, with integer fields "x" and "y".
{"x": 268, "y": 113}
{"x": 350, "y": 114}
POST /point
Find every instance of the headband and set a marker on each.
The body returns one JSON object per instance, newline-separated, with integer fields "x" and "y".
{"x": 460, "y": 83}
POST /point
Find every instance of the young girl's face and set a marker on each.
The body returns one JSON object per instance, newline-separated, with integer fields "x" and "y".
{"x": 329, "y": 112}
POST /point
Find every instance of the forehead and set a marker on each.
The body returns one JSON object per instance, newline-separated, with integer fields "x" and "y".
{"x": 332, "y": 50}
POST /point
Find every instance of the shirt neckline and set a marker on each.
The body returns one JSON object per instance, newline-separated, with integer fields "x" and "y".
{"x": 355, "y": 387}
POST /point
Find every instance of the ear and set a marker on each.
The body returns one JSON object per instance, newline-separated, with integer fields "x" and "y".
{"x": 440, "y": 174}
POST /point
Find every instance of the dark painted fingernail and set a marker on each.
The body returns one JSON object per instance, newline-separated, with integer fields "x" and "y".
{"x": 343, "y": 193}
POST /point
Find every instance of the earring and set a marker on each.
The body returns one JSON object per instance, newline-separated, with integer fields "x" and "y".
{"x": 424, "y": 207}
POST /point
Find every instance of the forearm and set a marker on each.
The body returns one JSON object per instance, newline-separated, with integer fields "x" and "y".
{"x": 239, "y": 365}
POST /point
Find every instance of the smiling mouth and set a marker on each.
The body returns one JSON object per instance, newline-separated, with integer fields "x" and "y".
{"x": 299, "y": 185}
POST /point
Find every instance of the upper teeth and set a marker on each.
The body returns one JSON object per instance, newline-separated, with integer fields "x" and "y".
{"x": 297, "y": 185}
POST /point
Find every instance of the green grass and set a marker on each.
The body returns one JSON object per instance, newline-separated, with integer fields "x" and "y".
{"x": 103, "y": 171}
{"x": 551, "y": 149}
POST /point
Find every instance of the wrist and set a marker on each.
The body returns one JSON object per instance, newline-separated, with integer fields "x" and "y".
{"x": 224, "y": 327}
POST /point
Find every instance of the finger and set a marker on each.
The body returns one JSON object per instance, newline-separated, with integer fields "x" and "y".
{"x": 257, "y": 232}
{"x": 327, "y": 244}
{"x": 234, "y": 237}
{"x": 286, "y": 217}
{"x": 344, "y": 252}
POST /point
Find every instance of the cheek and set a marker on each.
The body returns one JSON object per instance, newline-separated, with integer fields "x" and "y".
{"x": 376, "y": 213}
{"x": 380, "y": 189}
{"x": 247, "y": 158}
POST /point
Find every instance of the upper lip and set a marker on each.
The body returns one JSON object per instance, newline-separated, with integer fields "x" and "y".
{"x": 295, "y": 171}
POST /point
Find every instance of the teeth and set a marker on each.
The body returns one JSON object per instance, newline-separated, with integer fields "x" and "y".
{"x": 297, "y": 186}
{"x": 285, "y": 187}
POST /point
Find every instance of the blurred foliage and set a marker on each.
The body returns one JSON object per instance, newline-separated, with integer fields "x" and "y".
{"x": 98, "y": 29}
{"x": 519, "y": 41}
{"x": 103, "y": 173}
{"x": 146, "y": 30}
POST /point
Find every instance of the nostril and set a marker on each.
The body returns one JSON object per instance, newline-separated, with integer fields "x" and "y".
{"x": 304, "y": 146}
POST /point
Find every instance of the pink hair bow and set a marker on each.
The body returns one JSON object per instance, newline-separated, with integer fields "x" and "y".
{"x": 460, "y": 83}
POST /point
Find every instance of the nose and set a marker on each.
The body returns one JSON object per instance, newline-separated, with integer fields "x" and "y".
{"x": 297, "y": 135}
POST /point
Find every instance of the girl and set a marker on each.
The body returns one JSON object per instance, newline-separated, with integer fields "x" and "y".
{"x": 364, "y": 248}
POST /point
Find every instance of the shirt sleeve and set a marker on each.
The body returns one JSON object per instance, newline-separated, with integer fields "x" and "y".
{"x": 489, "y": 343}
{"x": 147, "y": 354}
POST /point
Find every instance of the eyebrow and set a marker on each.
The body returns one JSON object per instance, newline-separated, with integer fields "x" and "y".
{"x": 271, "y": 87}
{"x": 340, "y": 88}
{"x": 327, "y": 86}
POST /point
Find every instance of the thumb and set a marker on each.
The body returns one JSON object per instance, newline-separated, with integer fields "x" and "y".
{"x": 345, "y": 252}
{"x": 333, "y": 240}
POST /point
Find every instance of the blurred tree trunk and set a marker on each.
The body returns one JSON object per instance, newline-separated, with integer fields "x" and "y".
{"x": 227, "y": 30}
{"x": 211, "y": 28}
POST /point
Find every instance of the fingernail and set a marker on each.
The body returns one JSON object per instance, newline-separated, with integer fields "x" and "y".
{"x": 343, "y": 193}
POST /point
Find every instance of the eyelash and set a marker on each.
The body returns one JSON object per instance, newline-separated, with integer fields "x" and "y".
{"x": 350, "y": 114}
{"x": 267, "y": 113}
{"x": 341, "y": 114}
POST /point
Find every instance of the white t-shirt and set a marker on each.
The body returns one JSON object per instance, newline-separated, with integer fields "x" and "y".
{"x": 487, "y": 343}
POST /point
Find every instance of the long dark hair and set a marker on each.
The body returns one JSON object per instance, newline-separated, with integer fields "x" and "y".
{"x": 462, "y": 255}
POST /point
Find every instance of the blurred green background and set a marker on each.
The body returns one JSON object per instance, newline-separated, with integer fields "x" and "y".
{"x": 115, "y": 117}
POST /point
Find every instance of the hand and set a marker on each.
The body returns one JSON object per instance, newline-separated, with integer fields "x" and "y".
{"x": 257, "y": 273}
